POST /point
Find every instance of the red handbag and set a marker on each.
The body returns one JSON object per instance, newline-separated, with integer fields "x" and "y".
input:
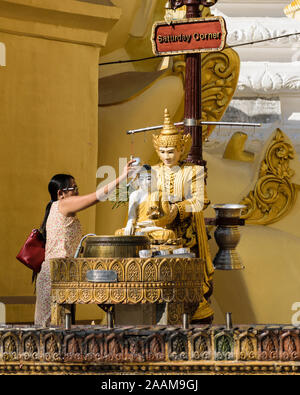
{"x": 32, "y": 254}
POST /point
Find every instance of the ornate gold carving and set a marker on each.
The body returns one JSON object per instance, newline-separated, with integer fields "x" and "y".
{"x": 118, "y": 294}
{"x": 10, "y": 347}
{"x": 176, "y": 281}
{"x": 168, "y": 294}
{"x": 30, "y": 347}
{"x": 210, "y": 350}
{"x": 268, "y": 346}
{"x": 84, "y": 268}
{"x": 85, "y": 295}
{"x": 99, "y": 266}
{"x": 274, "y": 194}
{"x": 247, "y": 346}
{"x": 152, "y": 295}
{"x": 201, "y": 346}
{"x": 180, "y": 294}
{"x": 52, "y": 348}
{"x": 101, "y": 295}
{"x": 220, "y": 73}
{"x": 178, "y": 270}
{"x": 117, "y": 267}
{"x": 165, "y": 271}
{"x": 134, "y": 295}
{"x": 133, "y": 271}
{"x": 175, "y": 311}
{"x": 73, "y": 274}
{"x": 72, "y": 296}
{"x": 150, "y": 271}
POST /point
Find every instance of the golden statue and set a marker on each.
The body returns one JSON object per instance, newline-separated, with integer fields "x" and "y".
{"x": 182, "y": 186}
{"x": 168, "y": 204}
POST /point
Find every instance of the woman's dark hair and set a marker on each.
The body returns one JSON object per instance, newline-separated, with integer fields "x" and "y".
{"x": 57, "y": 182}
{"x": 144, "y": 168}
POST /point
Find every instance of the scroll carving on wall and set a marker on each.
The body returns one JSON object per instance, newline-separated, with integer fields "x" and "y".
{"x": 219, "y": 79}
{"x": 220, "y": 74}
{"x": 274, "y": 194}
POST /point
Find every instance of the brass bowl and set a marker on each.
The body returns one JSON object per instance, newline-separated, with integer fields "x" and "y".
{"x": 228, "y": 210}
{"x": 115, "y": 246}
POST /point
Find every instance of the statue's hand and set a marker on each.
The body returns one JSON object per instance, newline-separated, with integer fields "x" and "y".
{"x": 169, "y": 217}
{"x": 153, "y": 212}
{"x": 129, "y": 229}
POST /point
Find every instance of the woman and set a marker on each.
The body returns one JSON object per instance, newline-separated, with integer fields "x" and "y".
{"x": 62, "y": 231}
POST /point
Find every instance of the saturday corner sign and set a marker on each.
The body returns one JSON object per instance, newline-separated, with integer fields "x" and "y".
{"x": 189, "y": 36}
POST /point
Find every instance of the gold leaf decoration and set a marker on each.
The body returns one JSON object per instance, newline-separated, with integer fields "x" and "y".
{"x": 274, "y": 194}
{"x": 219, "y": 78}
{"x": 151, "y": 280}
{"x": 220, "y": 74}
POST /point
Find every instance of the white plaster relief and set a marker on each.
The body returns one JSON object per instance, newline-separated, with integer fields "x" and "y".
{"x": 269, "y": 78}
{"x": 245, "y": 29}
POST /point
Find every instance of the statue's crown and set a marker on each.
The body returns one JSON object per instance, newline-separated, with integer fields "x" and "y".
{"x": 170, "y": 136}
{"x": 169, "y": 128}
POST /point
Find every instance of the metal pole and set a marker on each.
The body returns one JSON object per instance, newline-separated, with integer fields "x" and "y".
{"x": 241, "y": 124}
{"x": 193, "y": 94}
{"x": 228, "y": 321}
{"x": 185, "y": 321}
{"x": 68, "y": 321}
{"x": 110, "y": 320}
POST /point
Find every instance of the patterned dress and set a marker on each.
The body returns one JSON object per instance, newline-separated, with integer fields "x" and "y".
{"x": 63, "y": 237}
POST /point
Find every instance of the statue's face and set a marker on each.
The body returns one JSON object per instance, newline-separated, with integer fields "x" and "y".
{"x": 169, "y": 155}
{"x": 145, "y": 181}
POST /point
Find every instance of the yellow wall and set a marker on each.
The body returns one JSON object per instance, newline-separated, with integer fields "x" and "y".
{"x": 48, "y": 119}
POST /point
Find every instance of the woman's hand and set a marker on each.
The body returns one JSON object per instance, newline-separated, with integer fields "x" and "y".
{"x": 128, "y": 169}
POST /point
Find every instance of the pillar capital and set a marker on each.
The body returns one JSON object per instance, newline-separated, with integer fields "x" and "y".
{"x": 68, "y": 20}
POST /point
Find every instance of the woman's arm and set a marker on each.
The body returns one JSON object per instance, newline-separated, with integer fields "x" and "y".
{"x": 71, "y": 205}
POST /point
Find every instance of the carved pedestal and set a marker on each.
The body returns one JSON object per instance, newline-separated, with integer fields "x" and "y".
{"x": 172, "y": 285}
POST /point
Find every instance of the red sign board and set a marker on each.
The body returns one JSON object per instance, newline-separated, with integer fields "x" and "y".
{"x": 189, "y": 36}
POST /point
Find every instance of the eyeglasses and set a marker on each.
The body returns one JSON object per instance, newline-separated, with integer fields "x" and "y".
{"x": 75, "y": 188}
